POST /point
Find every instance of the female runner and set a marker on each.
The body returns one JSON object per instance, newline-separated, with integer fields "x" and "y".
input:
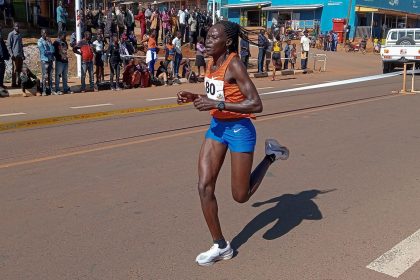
{"x": 231, "y": 99}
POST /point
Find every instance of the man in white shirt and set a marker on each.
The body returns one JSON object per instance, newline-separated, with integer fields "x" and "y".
{"x": 304, "y": 44}
{"x": 176, "y": 42}
{"x": 182, "y": 22}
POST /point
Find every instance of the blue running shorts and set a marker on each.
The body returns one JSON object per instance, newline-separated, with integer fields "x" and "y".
{"x": 239, "y": 135}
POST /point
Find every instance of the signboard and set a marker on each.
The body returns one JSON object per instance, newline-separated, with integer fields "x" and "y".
{"x": 409, "y": 6}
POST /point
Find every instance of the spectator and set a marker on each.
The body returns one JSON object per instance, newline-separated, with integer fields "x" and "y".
{"x": 15, "y": 48}
{"x": 46, "y": 54}
{"x": 287, "y": 52}
{"x": 111, "y": 23}
{"x": 162, "y": 73}
{"x": 99, "y": 20}
{"x": 244, "y": 52}
{"x": 174, "y": 21}
{"x": 30, "y": 82}
{"x": 89, "y": 18}
{"x": 166, "y": 23}
{"x": 128, "y": 73}
{"x": 154, "y": 24}
{"x": 176, "y": 42}
{"x": 182, "y": 23}
{"x": 133, "y": 40}
{"x": 99, "y": 48}
{"x": 304, "y": 42}
{"x": 262, "y": 49}
{"x": 129, "y": 20}
{"x": 199, "y": 57}
{"x": 169, "y": 56}
{"x": 85, "y": 49}
{"x": 4, "y": 56}
{"x": 142, "y": 20}
{"x": 120, "y": 12}
{"x": 276, "y": 56}
{"x": 270, "y": 40}
{"x": 148, "y": 16}
{"x": 80, "y": 22}
{"x": 61, "y": 63}
{"x": 293, "y": 56}
{"x": 114, "y": 62}
{"x": 151, "y": 54}
{"x": 61, "y": 17}
{"x": 192, "y": 22}
{"x": 187, "y": 27}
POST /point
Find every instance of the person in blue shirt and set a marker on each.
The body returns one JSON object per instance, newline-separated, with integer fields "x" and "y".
{"x": 287, "y": 52}
{"x": 245, "y": 53}
{"x": 61, "y": 17}
{"x": 46, "y": 54}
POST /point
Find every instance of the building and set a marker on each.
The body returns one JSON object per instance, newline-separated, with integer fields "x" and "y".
{"x": 366, "y": 17}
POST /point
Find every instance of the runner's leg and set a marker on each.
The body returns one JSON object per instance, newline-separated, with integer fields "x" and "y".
{"x": 211, "y": 159}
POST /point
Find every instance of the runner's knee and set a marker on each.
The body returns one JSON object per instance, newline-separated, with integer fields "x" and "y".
{"x": 205, "y": 189}
{"x": 240, "y": 197}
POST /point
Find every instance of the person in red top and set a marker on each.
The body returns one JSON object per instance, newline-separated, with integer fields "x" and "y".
{"x": 85, "y": 49}
{"x": 142, "y": 19}
{"x": 232, "y": 100}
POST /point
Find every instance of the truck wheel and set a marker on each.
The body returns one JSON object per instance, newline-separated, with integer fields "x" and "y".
{"x": 387, "y": 67}
{"x": 405, "y": 41}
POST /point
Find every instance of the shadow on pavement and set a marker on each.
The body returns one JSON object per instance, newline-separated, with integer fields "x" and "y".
{"x": 288, "y": 212}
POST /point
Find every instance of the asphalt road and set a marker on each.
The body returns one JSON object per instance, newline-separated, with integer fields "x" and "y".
{"x": 116, "y": 198}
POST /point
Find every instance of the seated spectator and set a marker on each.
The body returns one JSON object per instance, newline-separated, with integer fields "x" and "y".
{"x": 145, "y": 80}
{"x": 162, "y": 74}
{"x": 186, "y": 68}
{"x": 129, "y": 70}
{"x": 29, "y": 82}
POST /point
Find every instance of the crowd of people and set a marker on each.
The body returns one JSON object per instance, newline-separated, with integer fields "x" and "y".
{"x": 106, "y": 39}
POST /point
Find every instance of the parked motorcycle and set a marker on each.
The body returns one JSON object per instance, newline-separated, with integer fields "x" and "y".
{"x": 355, "y": 47}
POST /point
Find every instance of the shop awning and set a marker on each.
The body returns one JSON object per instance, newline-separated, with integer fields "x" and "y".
{"x": 293, "y": 7}
{"x": 247, "y": 5}
{"x": 364, "y": 9}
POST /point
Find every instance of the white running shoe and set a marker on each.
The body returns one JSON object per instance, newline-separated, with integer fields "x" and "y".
{"x": 272, "y": 147}
{"x": 214, "y": 254}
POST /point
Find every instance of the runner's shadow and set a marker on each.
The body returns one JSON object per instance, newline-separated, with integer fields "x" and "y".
{"x": 288, "y": 213}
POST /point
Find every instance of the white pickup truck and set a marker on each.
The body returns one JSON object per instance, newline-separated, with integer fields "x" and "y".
{"x": 402, "y": 45}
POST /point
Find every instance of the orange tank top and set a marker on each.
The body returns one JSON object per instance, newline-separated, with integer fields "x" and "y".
{"x": 218, "y": 89}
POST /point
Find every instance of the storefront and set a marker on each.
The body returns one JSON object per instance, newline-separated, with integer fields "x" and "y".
{"x": 248, "y": 14}
{"x": 298, "y": 17}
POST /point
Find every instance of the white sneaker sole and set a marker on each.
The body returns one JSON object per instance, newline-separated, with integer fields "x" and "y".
{"x": 228, "y": 256}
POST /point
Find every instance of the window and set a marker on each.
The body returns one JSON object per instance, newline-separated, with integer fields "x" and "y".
{"x": 410, "y": 33}
{"x": 401, "y": 33}
{"x": 393, "y": 36}
{"x": 417, "y": 37}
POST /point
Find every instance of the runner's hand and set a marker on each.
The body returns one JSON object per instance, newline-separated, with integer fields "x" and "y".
{"x": 186, "y": 97}
{"x": 203, "y": 103}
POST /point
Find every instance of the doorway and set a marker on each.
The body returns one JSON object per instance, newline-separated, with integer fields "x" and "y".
{"x": 254, "y": 18}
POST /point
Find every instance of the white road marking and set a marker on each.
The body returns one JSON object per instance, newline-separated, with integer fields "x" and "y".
{"x": 92, "y": 106}
{"x": 400, "y": 258}
{"x": 302, "y": 84}
{"x": 12, "y": 114}
{"x": 163, "y": 98}
{"x": 337, "y": 83}
{"x": 265, "y": 87}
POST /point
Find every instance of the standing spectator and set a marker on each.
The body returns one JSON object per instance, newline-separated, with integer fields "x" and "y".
{"x": 166, "y": 23}
{"x": 287, "y": 53}
{"x": 174, "y": 21}
{"x": 85, "y": 49}
{"x": 111, "y": 23}
{"x": 182, "y": 23}
{"x": 304, "y": 42}
{"x": 293, "y": 56}
{"x": 262, "y": 49}
{"x": 187, "y": 26}
{"x": 148, "y": 16}
{"x": 4, "y": 55}
{"x": 276, "y": 56}
{"x": 61, "y": 17}
{"x": 114, "y": 62}
{"x": 335, "y": 41}
{"x": 151, "y": 54}
{"x": 129, "y": 20}
{"x": 80, "y": 21}
{"x": 154, "y": 28}
{"x": 178, "y": 53}
{"x": 46, "y": 54}
{"x": 192, "y": 22}
{"x": 270, "y": 40}
{"x": 142, "y": 20}
{"x": 199, "y": 57}
{"x": 169, "y": 55}
{"x": 99, "y": 46}
{"x": 120, "y": 19}
{"x": 245, "y": 53}
{"x": 36, "y": 10}
{"x": 61, "y": 62}
{"x": 89, "y": 18}
{"x": 15, "y": 48}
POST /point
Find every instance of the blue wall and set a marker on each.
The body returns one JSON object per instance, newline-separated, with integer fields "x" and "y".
{"x": 409, "y": 6}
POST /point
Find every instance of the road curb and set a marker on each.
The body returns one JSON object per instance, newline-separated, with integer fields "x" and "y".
{"x": 80, "y": 117}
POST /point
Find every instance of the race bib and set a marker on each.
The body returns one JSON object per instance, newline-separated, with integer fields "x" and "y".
{"x": 214, "y": 89}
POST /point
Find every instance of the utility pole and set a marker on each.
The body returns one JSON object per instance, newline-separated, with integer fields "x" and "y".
{"x": 347, "y": 21}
